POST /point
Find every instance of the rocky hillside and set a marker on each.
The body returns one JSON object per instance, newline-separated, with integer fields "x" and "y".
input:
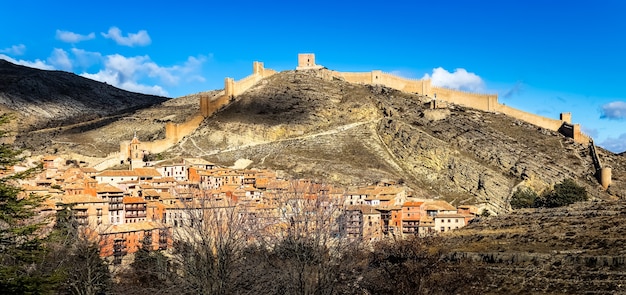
{"x": 312, "y": 126}
{"x": 309, "y": 125}
{"x": 573, "y": 250}
{"x": 44, "y": 99}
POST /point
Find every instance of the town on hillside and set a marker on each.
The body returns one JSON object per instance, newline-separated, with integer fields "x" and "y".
{"x": 155, "y": 203}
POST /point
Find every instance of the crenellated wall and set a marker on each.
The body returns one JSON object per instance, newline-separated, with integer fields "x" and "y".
{"x": 603, "y": 174}
{"x": 541, "y": 121}
{"x": 484, "y": 102}
{"x": 232, "y": 88}
{"x": 573, "y": 131}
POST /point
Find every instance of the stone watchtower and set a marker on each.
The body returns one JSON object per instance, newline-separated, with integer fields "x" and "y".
{"x": 306, "y": 61}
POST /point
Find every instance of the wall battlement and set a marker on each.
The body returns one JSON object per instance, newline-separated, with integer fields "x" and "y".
{"x": 232, "y": 88}
{"x": 603, "y": 174}
{"x": 480, "y": 101}
{"x": 484, "y": 102}
{"x": 441, "y": 98}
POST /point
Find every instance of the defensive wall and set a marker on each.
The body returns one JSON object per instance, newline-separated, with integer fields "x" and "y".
{"x": 232, "y": 88}
{"x": 485, "y": 102}
{"x": 174, "y": 132}
{"x": 111, "y": 159}
{"x": 603, "y": 174}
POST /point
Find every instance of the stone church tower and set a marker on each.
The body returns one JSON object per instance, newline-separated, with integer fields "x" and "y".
{"x": 135, "y": 153}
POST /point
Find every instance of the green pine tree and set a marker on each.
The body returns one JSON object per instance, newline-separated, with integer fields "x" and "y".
{"x": 21, "y": 251}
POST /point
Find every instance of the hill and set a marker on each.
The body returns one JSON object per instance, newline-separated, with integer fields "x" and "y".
{"x": 573, "y": 250}
{"x": 313, "y": 126}
{"x": 50, "y": 99}
{"x": 310, "y": 125}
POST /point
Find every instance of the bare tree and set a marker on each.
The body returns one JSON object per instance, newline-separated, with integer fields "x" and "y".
{"x": 210, "y": 239}
{"x": 74, "y": 255}
{"x": 298, "y": 249}
{"x": 417, "y": 266}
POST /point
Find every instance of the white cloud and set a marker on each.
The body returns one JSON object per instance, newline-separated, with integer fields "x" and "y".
{"x": 615, "y": 110}
{"x": 616, "y": 145}
{"x": 14, "y": 50}
{"x": 39, "y": 64}
{"x": 59, "y": 59}
{"x": 84, "y": 59}
{"x": 129, "y": 72}
{"x": 71, "y": 37}
{"x": 116, "y": 79}
{"x": 140, "y": 38}
{"x": 460, "y": 79}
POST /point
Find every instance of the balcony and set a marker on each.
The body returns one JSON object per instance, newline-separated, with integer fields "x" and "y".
{"x": 82, "y": 221}
{"x": 409, "y": 230}
{"x": 80, "y": 213}
{"x": 113, "y": 207}
{"x": 135, "y": 214}
{"x": 135, "y": 207}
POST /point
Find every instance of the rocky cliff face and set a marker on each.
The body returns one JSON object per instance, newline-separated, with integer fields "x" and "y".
{"x": 313, "y": 126}
{"x": 44, "y": 99}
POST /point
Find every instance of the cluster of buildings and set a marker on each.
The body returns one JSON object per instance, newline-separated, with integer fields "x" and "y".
{"x": 144, "y": 207}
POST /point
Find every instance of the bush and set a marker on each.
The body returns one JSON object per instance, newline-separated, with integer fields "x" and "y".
{"x": 523, "y": 198}
{"x": 563, "y": 194}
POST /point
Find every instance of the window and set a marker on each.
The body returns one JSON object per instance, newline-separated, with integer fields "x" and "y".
{"x": 443, "y": 229}
{"x": 456, "y": 220}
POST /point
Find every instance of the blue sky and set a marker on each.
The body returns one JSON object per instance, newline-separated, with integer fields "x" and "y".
{"x": 543, "y": 57}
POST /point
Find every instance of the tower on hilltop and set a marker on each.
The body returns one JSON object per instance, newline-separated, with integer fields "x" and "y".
{"x": 306, "y": 61}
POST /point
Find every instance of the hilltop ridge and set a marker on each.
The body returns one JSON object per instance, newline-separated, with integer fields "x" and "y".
{"x": 43, "y": 99}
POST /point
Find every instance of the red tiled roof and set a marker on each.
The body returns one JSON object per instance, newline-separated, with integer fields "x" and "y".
{"x": 133, "y": 200}
{"x": 107, "y": 188}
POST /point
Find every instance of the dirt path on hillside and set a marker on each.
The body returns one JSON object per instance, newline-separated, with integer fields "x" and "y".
{"x": 336, "y": 130}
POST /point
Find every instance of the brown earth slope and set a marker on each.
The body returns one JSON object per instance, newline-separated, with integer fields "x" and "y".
{"x": 346, "y": 133}
{"x": 573, "y": 250}
{"x": 46, "y": 100}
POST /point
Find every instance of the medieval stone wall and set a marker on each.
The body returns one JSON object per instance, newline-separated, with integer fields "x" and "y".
{"x": 541, "y": 121}
{"x": 484, "y": 102}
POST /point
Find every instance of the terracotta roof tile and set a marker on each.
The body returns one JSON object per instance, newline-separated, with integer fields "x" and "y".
{"x": 133, "y": 200}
